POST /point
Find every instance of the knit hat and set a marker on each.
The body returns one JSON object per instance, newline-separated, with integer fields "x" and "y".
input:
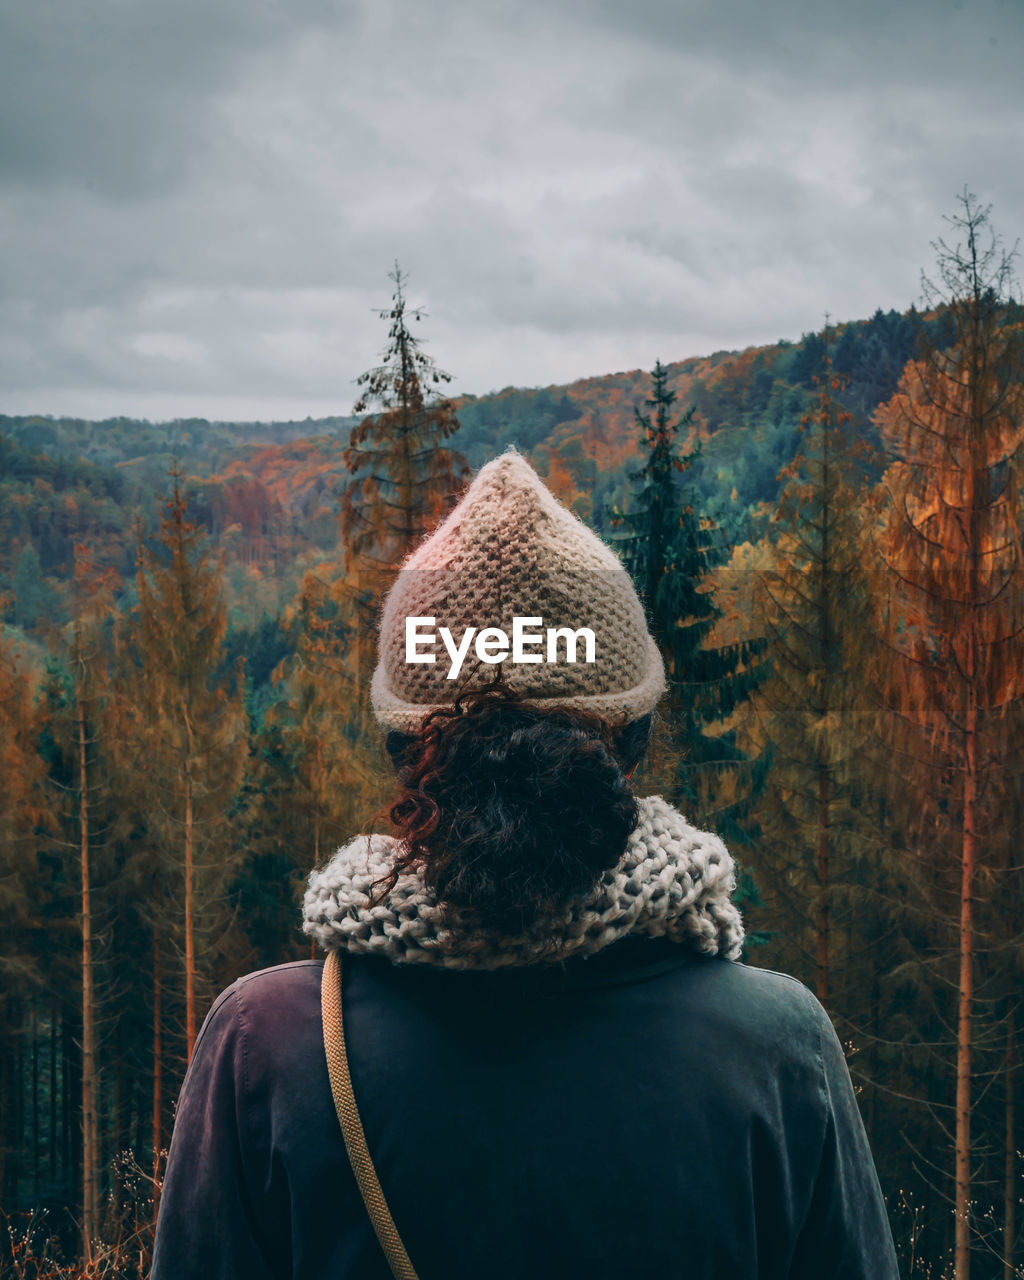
{"x": 510, "y": 561}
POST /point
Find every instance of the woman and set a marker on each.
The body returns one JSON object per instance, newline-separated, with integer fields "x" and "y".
{"x": 561, "y": 1067}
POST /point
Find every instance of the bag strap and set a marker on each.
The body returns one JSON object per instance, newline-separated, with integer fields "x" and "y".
{"x": 352, "y": 1126}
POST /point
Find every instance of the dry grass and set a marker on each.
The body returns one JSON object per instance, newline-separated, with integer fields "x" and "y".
{"x": 38, "y": 1246}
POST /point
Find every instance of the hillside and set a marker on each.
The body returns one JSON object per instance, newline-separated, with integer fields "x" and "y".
{"x": 267, "y": 492}
{"x": 197, "y": 444}
{"x": 748, "y": 407}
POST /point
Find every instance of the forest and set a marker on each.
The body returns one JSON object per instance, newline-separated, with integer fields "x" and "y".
{"x": 828, "y": 537}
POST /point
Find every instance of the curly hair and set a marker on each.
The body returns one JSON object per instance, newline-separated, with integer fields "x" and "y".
{"x": 508, "y": 810}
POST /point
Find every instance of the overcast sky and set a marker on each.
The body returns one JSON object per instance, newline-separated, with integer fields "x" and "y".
{"x": 200, "y": 200}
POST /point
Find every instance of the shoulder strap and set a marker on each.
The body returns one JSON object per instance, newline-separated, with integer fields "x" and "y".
{"x": 352, "y": 1126}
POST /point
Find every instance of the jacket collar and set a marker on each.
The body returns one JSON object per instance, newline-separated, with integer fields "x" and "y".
{"x": 673, "y": 881}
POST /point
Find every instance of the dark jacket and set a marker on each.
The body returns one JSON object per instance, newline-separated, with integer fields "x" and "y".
{"x": 642, "y": 1112}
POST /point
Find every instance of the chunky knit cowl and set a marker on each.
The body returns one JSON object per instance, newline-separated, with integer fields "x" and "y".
{"x": 673, "y": 881}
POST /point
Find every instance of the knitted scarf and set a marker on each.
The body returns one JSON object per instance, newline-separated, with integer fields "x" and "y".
{"x": 673, "y": 881}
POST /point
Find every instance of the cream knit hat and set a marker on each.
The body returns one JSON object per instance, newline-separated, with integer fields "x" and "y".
{"x": 511, "y": 550}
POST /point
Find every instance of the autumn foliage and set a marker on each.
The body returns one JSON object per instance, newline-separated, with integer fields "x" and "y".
{"x": 827, "y": 537}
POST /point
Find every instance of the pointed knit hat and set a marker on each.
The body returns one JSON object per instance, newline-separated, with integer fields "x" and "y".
{"x": 510, "y": 550}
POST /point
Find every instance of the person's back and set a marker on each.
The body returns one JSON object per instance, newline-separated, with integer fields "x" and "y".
{"x": 642, "y": 1112}
{"x": 561, "y": 1068}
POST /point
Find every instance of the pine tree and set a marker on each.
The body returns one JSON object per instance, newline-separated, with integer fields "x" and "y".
{"x": 330, "y": 778}
{"x": 22, "y": 813}
{"x": 404, "y": 476}
{"x": 954, "y": 634}
{"x": 654, "y": 522}
{"x": 670, "y": 552}
{"x": 404, "y": 480}
{"x": 35, "y": 601}
{"x": 91, "y": 602}
{"x": 810, "y": 710}
{"x": 193, "y": 717}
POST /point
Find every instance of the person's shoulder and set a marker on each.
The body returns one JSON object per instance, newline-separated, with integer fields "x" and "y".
{"x": 782, "y": 989}
{"x": 774, "y": 1008}
{"x": 764, "y": 984}
{"x": 781, "y": 985}
{"x": 278, "y": 993}
{"x": 267, "y": 1004}
{"x": 294, "y": 976}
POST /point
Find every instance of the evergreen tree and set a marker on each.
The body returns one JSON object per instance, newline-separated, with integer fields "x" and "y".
{"x": 330, "y": 775}
{"x": 22, "y": 812}
{"x": 404, "y": 479}
{"x": 404, "y": 476}
{"x": 807, "y": 363}
{"x": 670, "y": 552}
{"x": 654, "y": 521}
{"x": 192, "y": 714}
{"x": 846, "y": 350}
{"x": 35, "y": 600}
{"x": 87, "y": 801}
{"x": 91, "y": 598}
{"x": 810, "y": 712}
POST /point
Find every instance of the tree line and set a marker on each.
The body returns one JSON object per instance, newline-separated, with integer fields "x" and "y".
{"x": 846, "y": 707}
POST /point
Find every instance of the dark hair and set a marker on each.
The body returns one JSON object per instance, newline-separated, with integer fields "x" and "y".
{"x": 508, "y": 809}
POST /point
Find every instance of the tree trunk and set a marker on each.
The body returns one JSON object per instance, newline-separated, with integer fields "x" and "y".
{"x": 962, "y": 1246}
{"x": 34, "y": 1033}
{"x": 53, "y": 1093}
{"x": 5, "y": 1109}
{"x": 72, "y": 1037}
{"x": 876, "y": 1021}
{"x": 117, "y": 1099}
{"x": 90, "y": 1161}
{"x": 822, "y": 866}
{"x": 316, "y": 863}
{"x": 190, "y": 946}
{"x": 18, "y": 1160}
{"x": 1010, "y": 1191}
{"x": 67, "y": 1152}
{"x": 158, "y": 1065}
{"x": 825, "y": 638}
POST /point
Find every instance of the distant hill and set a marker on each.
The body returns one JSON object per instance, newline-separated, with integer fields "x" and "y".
{"x": 748, "y": 410}
{"x": 146, "y": 448}
{"x": 748, "y": 406}
{"x": 268, "y": 492}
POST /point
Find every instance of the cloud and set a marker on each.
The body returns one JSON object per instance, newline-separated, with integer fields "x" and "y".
{"x": 113, "y": 94}
{"x": 201, "y": 202}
